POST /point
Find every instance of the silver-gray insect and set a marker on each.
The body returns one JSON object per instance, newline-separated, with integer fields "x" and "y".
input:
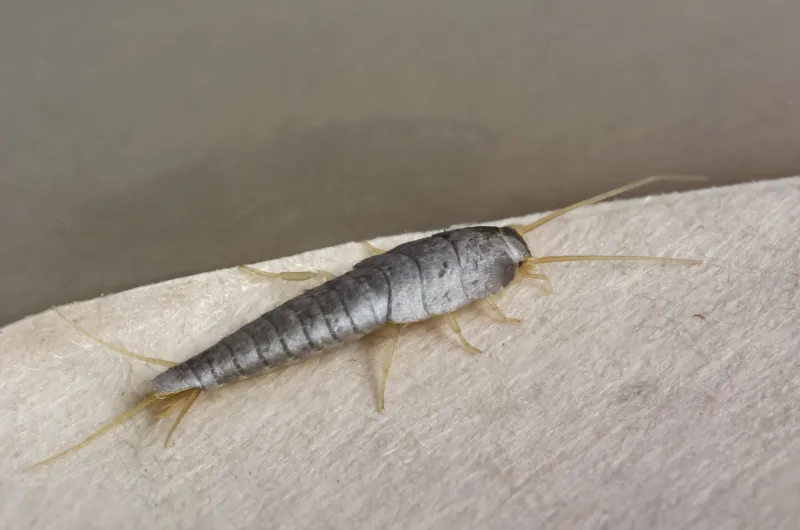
{"x": 434, "y": 276}
{"x": 411, "y": 283}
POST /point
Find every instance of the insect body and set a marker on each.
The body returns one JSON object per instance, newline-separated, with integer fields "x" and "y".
{"x": 411, "y": 283}
{"x": 430, "y": 277}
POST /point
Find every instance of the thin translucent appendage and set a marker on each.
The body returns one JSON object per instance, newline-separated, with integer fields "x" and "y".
{"x": 557, "y": 259}
{"x": 188, "y": 401}
{"x": 527, "y": 271}
{"x": 386, "y": 364}
{"x": 118, "y": 349}
{"x": 119, "y": 420}
{"x": 372, "y": 250}
{"x": 524, "y": 229}
{"x": 452, "y": 323}
{"x": 499, "y": 312}
{"x": 290, "y": 276}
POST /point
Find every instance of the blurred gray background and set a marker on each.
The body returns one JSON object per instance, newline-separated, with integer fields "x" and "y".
{"x": 141, "y": 141}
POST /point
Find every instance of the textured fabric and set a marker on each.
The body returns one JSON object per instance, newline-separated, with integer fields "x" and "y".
{"x": 637, "y": 395}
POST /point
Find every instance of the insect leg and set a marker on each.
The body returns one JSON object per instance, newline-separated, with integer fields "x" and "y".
{"x": 290, "y": 276}
{"x": 372, "y": 250}
{"x": 386, "y": 363}
{"x": 527, "y": 272}
{"x": 499, "y": 312}
{"x": 455, "y": 328}
{"x": 119, "y": 349}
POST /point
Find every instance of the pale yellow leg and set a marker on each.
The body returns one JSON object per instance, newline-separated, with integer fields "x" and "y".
{"x": 290, "y": 276}
{"x": 500, "y": 314}
{"x": 372, "y": 250}
{"x": 455, "y": 328}
{"x": 386, "y": 363}
{"x": 547, "y": 287}
{"x": 526, "y": 271}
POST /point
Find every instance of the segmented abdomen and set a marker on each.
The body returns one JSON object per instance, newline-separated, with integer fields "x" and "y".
{"x": 338, "y": 311}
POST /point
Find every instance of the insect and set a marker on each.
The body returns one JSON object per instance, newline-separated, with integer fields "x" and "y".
{"x": 431, "y": 277}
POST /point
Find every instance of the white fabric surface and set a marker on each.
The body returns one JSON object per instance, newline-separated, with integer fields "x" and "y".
{"x": 611, "y": 406}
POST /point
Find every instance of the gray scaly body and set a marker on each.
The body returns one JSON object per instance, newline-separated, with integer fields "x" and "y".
{"x": 432, "y": 276}
{"x": 412, "y": 282}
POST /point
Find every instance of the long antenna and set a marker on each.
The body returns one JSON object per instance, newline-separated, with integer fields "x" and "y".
{"x": 558, "y": 213}
{"x": 555, "y": 259}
